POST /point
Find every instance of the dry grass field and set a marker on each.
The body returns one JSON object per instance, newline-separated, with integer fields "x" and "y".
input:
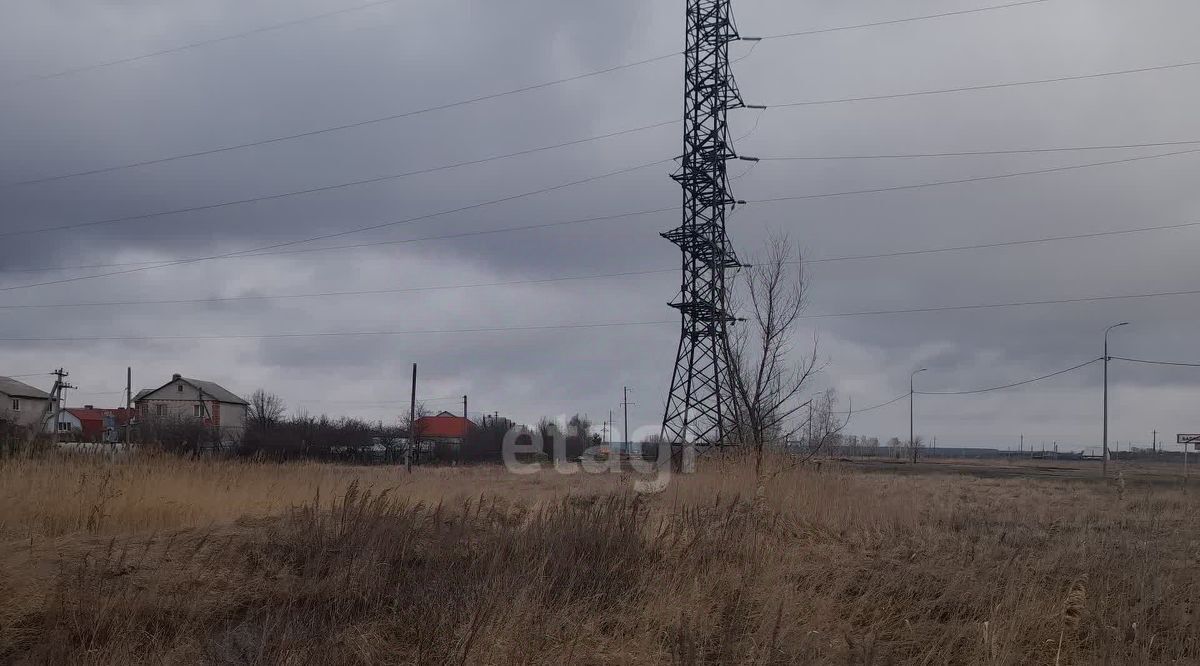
{"x": 166, "y": 561}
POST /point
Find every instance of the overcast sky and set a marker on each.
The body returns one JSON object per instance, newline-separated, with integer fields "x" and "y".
{"x": 400, "y": 56}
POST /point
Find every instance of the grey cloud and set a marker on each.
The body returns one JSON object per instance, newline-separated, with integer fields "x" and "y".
{"x": 411, "y": 55}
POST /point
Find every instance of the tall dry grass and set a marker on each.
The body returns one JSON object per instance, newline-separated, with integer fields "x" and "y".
{"x": 344, "y": 565}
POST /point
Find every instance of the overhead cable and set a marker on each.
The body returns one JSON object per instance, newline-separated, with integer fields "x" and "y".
{"x": 203, "y": 42}
{"x": 974, "y": 153}
{"x": 911, "y": 19}
{"x": 1010, "y": 304}
{"x": 978, "y": 179}
{"x": 1013, "y": 385}
{"x": 874, "y": 407}
{"x": 339, "y": 234}
{"x": 324, "y": 188}
{"x": 472, "y": 100}
{"x": 989, "y": 86}
{"x": 354, "y": 246}
{"x": 338, "y": 334}
{"x": 1139, "y": 360}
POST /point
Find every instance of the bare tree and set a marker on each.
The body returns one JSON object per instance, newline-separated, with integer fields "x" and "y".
{"x": 266, "y": 409}
{"x": 415, "y": 430}
{"x": 914, "y": 446}
{"x": 768, "y": 378}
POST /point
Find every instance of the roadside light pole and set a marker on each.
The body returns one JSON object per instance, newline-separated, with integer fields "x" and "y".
{"x": 1104, "y": 453}
{"x": 912, "y": 440}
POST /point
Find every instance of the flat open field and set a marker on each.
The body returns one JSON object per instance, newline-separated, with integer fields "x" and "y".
{"x": 1131, "y": 472}
{"x": 161, "y": 560}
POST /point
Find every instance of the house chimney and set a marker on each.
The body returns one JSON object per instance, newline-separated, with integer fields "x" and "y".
{"x": 176, "y": 377}
{"x": 89, "y": 407}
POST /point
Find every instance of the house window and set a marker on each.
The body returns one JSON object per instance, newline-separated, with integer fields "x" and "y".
{"x": 160, "y": 410}
{"x": 63, "y": 426}
{"x": 179, "y": 387}
{"x": 16, "y": 404}
{"x": 197, "y": 411}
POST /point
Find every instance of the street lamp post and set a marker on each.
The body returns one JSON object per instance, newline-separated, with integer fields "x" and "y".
{"x": 912, "y": 440}
{"x": 1104, "y": 453}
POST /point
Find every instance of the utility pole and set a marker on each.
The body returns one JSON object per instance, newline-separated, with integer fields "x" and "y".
{"x": 1154, "y": 442}
{"x": 412, "y": 423}
{"x": 912, "y": 438}
{"x": 698, "y": 401}
{"x": 54, "y": 406}
{"x": 128, "y": 405}
{"x": 625, "y": 405}
{"x": 1104, "y": 467}
{"x": 608, "y": 430}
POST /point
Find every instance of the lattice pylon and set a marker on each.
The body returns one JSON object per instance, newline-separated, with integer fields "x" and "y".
{"x": 698, "y": 405}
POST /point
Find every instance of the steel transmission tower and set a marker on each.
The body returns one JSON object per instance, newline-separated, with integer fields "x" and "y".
{"x": 698, "y": 410}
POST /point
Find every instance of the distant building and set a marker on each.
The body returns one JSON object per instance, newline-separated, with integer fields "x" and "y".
{"x": 183, "y": 399}
{"x": 96, "y": 425}
{"x": 22, "y": 404}
{"x": 444, "y": 427}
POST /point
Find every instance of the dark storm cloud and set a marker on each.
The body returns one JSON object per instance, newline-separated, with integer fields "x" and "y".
{"x": 405, "y": 56}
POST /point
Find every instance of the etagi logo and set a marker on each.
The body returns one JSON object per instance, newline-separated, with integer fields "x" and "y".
{"x": 524, "y": 452}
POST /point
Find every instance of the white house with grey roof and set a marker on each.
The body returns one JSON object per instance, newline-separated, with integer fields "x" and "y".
{"x": 21, "y": 403}
{"x": 184, "y": 399}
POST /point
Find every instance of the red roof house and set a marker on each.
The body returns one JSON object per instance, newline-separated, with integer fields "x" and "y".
{"x": 443, "y": 426}
{"x": 93, "y": 421}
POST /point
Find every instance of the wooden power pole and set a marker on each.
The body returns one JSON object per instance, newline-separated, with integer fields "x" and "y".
{"x": 412, "y": 423}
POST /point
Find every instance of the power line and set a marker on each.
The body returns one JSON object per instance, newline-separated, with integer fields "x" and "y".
{"x": 401, "y": 290}
{"x": 984, "y": 246}
{"x": 339, "y": 234}
{"x": 603, "y": 218}
{"x": 911, "y": 19}
{"x": 465, "y": 234}
{"x": 990, "y": 306}
{"x": 960, "y": 181}
{"x": 1013, "y": 385}
{"x": 266, "y": 249}
{"x": 329, "y": 294}
{"x": 989, "y": 86}
{"x": 339, "y": 128}
{"x": 330, "y": 248}
{"x": 327, "y": 188}
{"x": 1139, "y": 360}
{"x": 874, "y": 407}
{"x": 34, "y": 306}
{"x": 401, "y": 401}
{"x": 203, "y": 42}
{"x": 473, "y": 100}
{"x": 277, "y": 336}
{"x": 824, "y": 195}
{"x": 971, "y": 153}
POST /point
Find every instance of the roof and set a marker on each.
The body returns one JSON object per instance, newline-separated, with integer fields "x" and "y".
{"x": 18, "y": 389}
{"x": 85, "y": 414}
{"x": 210, "y": 389}
{"x": 216, "y": 390}
{"x": 444, "y": 425}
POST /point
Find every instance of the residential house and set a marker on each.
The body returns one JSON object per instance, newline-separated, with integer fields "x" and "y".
{"x": 444, "y": 427}
{"x": 22, "y": 404}
{"x": 183, "y": 399}
{"x": 96, "y": 425}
